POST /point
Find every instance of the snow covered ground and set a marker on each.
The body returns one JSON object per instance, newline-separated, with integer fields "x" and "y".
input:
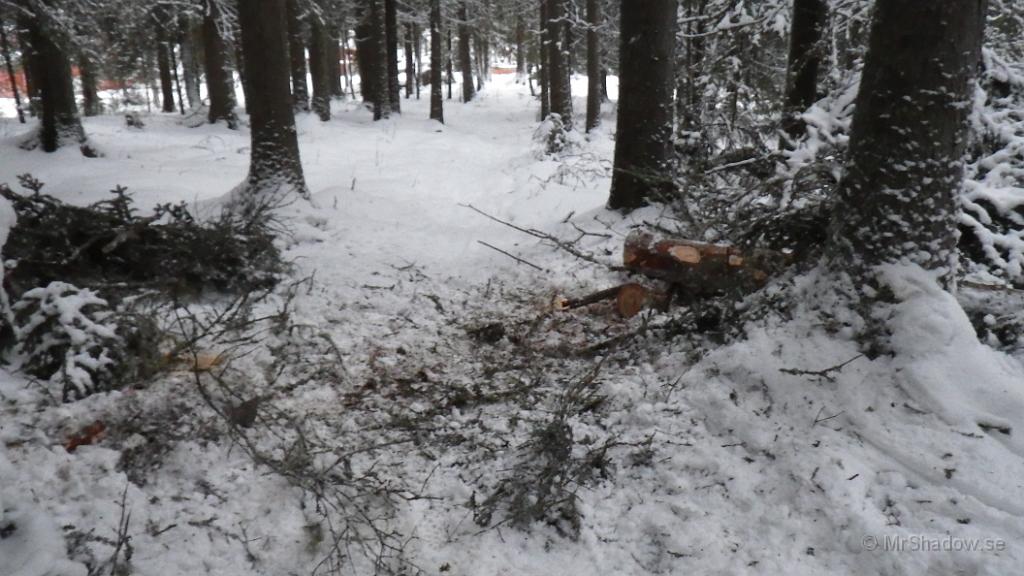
{"x": 753, "y": 458}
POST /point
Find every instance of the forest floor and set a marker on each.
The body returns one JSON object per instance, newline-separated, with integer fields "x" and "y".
{"x": 422, "y": 409}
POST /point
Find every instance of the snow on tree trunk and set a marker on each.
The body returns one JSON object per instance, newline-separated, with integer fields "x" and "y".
{"x": 899, "y": 199}
{"x": 436, "y": 34}
{"x": 808, "y": 25}
{"x": 219, "y": 84}
{"x": 558, "y": 62}
{"x": 275, "y": 169}
{"x": 643, "y": 144}
{"x": 542, "y": 62}
{"x": 319, "y": 68}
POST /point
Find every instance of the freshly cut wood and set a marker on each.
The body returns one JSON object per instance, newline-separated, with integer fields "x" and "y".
{"x": 699, "y": 268}
{"x": 629, "y": 298}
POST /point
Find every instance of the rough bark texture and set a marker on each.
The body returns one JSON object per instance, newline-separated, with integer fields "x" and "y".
{"x": 898, "y": 200}
{"x": 450, "y": 65}
{"x": 594, "y": 98}
{"x": 297, "y": 57}
{"x": 275, "y": 168}
{"x": 319, "y": 68}
{"x": 91, "y": 105}
{"x": 542, "y": 62}
{"x": 465, "y": 57}
{"x": 803, "y": 63}
{"x": 163, "y": 62}
{"x": 382, "y": 101}
{"x": 391, "y": 30}
{"x": 189, "y": 63}
{"x": 691, "y": 80}
{"x": 219, "y": 84}
{"x": 51, "y": 71}
{"x": 643, "y": 143}
{"x": 436, "y": 33}
{"x": 410, "y": 62}
{"x": 558, "y": 62}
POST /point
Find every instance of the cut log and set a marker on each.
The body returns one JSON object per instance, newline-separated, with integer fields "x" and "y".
{"x": 699, "y": 268}
{"x": 629, "y": 298}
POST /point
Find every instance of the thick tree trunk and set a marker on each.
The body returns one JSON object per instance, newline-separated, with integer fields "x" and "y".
{"x": 219, "y": 85}
{"x": 898, "y": 200}
{"x": 382, "y": 79}
{"x": 465, "y": 56}
{"x": 558, "y": 64}
{"x": 594, "y": 98}
{"x": 319, "y": 68}
{"x": 51, "y": 71}
{"x": 802, "y": 67}
{"x": 643, "y": 143}
{"x": 275, "y": 169}
{"x": 391, "y": 31}
{"x": 5, "y": 47}
{"x": 436, "y": 103}
{"x": 542, "y": 62}
{"x": 163, "y": 62}
{"x": 297, "y": 57}
{"x": 91, "y": 105}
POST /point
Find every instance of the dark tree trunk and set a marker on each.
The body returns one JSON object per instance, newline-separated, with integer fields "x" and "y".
{"x": 297, "y": 57}
{"x": 319, "y": 68}
{"x": 335, "y": 64}
{"x": 177, "y": 81}
{"x": 51, "y": 71}
{"x": 416, "y": 51}
{"x": 643, "y": 142}
{"x": 520, "y": 50}
{"x": 189, "y": 62}
{"x": 275, "y": 169}
{"x": 690, "y": 91}
{"x": 802, "y": 67}
{"x": 436, "y": 103}
{"x": 5, "y": 47}
{"x": 465, "y": 57}
{"x": 542, "y": 62}
{"x": 450, "y": 64}
{"x": 365, "y": 49}
{"x": 91, "y": 105}
{"x": 243, "y": 74}
{"x": 558, "y": 65}
{"x": 382, "y": 76}
{"x": 391, "y": 31}
{"x": 898, "y": 200}
{"x": 163, "y": 63}
{"x": 593, "y": 65}
{"x": 410, "y": 63}
{"x": 28, "y": 57}
{"x": 219, "y": 85}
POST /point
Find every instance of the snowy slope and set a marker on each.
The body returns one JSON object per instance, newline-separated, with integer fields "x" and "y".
{"x": 737, "y": 461}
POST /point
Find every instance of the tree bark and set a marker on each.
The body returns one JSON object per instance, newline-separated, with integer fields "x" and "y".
{"x": 51, "y": 71}
{"x": 391, "y": 32}
{"x": 898, "y": 200}
{"x": 520, "y": 50}
{"x": 91, "y": 105}
{"x": 275, "y": 169}
{"x": 163, "y": 62}
{"x": 410, "y": 63}
{"x": 465, "y": 57}
{"x": 334, "y": 62}
{"x": 643, "y": 144}
{"x": 5, "y": 47}
{"x": 808, "y": 25}
{"x": 542, "y": 62}
{"x": 189, "y": 63}
{"x": 558, "y": 65}
{"x": 297, "y": 57}
{"x": 436, "y": 33}
{"x": 594, "y": 98}
{"x": 450, "y": 64}
{"x": 219, "y": 84}
{"x": 319, "y": 68}
{"x": 416, "y": 36}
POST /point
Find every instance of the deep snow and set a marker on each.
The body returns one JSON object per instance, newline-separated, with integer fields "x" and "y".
{"x": 731, "y": 463}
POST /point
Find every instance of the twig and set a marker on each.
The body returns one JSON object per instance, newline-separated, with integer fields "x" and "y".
{"x": 512, "y": 256}
{"x": 826, "y": 373}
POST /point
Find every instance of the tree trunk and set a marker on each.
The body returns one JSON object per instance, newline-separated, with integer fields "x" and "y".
{"x": 450, "y": 64}
{"x": 558, "y": 72}
{"x": 520, "y": 50}
{"x": 91, "y": 105}
{"x": 802, "y": 67}
{"x": 391, "y": 32}
{"x": 297, "y": 57}
{"x": 243, "y": 74}
{"x": 51, "y": 71}
{"x": 416, "y": 50}
{"x": 319, "y": 68}
{"x": 275, "y": 169}
{"x": 365, "y": 53}
{"x": 189, "y": 63}
{"x": 410, "y": 63}
{"x": 436, "y": 103}
{"x": 542, "y": 62}
{"x": 593, "y": 65}
{"x": 219, "y": 85}
{"x": 643, "y": 143}
{"x": 5, "y": 47}
{"x": 163, "y": 62}
{"x": 382, "y": 77}
{"x": 898, "y": 200}
{"x": 337, "y": 90}
{"x": 465, "y": 57}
